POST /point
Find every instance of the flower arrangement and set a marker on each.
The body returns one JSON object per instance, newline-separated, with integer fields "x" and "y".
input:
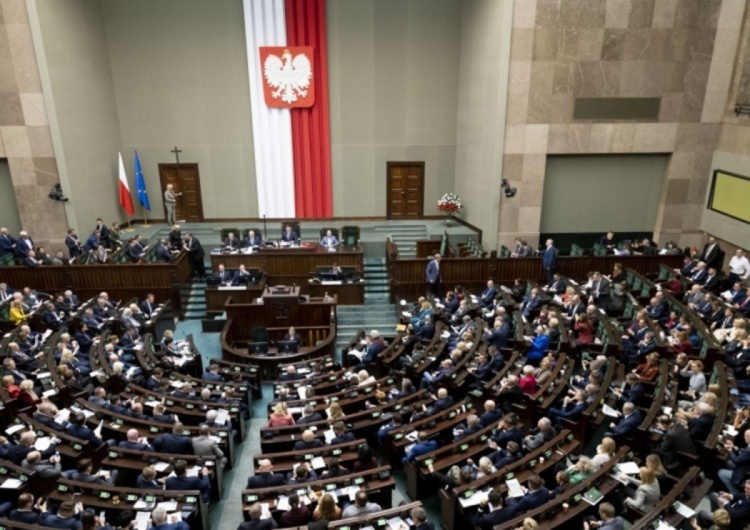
{"x": 449, "y": 203}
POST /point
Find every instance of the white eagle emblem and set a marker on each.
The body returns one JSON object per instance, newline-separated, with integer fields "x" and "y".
{"x": 290, "y": 77}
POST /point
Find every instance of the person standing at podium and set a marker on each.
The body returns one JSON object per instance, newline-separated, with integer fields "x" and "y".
{"x": 329, "y": 240}
{"x": 251, "y": 240}
{"x": 170, "y": 203}
{"x": 289, "y": 236}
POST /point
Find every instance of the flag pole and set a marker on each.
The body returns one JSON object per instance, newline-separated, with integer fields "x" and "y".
{"x": 145, "y": 216}
{"x": 130, "y": 228}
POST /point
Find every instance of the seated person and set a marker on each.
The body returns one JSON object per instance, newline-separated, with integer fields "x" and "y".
{"x": 29, "y": 512}
{"x": 241, "y": 276}
{"x": 265, "y": 477}
{"x": 289, "y": 236}
{"x": 423, "y": 446}
{"x": 147, "y": 480}
{"x": 297, "y": 515}
{"x": 231, "y": 242}
{"x": 252, "y": 240}
{"x": 329, "y": 240}
{"x": 182, "y": 482}
{"x": 83, "y": 474}
{"x": 308, "y": 442}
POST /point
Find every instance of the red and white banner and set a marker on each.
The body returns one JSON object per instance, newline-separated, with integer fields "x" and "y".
{"x": 289, "y": 105}
{"x": 126, "y": 200}
{"x": 288, "y": 76}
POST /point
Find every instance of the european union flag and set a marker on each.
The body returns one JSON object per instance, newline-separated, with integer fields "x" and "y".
{"x": 140, "y": 184}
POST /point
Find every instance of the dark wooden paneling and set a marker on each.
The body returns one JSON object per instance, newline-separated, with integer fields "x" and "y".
{"x": 122, "y": 280}
{"x": 408, "y": 275}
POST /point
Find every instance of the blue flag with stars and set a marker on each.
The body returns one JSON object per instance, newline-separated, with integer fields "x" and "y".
{"x": 140, "y": 184}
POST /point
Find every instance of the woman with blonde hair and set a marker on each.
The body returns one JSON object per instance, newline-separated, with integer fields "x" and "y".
{"x": 335, "y": 412}
{"x": 17, "y": 315}
{"x": 648, "y": 371}
{"x": 581, "y": 470}
{"x": 529, "y": 524}
{"x": 364, "y": 378}
{"x": 485, "y": 467}
{"x": 604, "y": 452}
{"x": 327, "y": 509}
{"x": 27, "y": 394}
{"x": 648, "y": 492}
{"x": 280, "y": 416}
{"x": 544, "y": 372}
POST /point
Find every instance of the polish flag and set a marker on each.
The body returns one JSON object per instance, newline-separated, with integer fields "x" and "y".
{"x": 126, "y": 201}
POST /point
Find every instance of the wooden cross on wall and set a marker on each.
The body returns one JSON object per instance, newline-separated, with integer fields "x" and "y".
{"x": 176, "y": 154}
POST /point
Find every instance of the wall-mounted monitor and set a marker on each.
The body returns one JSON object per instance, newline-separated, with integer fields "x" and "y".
{"x": 730, "y": 195}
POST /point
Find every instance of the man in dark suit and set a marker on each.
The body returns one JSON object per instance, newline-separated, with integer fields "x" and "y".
{"x": 628, "y": 423}
{"x": 482, "y": 372}
{"x": 182, "y": 482}
{"x": 30, "y": 259}
{"x": 225, "y": 277}
{"x": 699, "y": 273}
{"x": 497, "y": 361}
{"x": 634, "y": 392}
{"x": 231, "y": 242}
{"x": 212, "y": 374}
{"x": 700, "y": 426}
{"x": 148, "y": 306}
{"x": 600, "y": 291}
{"x": 419, "y": 517}
{"x": 738, "y": 465}
{"x": 163, "y": 254}
{"x": 24, "y": 244}
{"x": 28, "y": 512}
{"x": 442, "y": 402}
{"x": 549, "y": 260}
{"x": 308, "y": 442}
{"x": 73, "y": 243}
{"x": 491, "y": 512}
{"x": 498, "y": 335}
{"x": 572, "y": 408}
{"x": 45, "y": 414}
{"x": 64, "y": 518}
{"x": 94, "y": 240}
{"x": 433, "y": 276}
{"x": 134, "y": 442}
{"x": 18, "y": 453}
{"x": 674, "y": 440}
{"x": 491, "y": 414}
{"x": 174, "y": 443}
{"x": 537, "y": 495}
{"x": 251, "y": 240}
{"x": 256, "y": 523}
{"x": 194, "y": 249}
{"x": 265, "y": 477}
{"x": 711, "y": 253}
{"x": 557, "y": 286}
{"x": 712, "y": 280}
{"x": 309, "y": 415}
{"x": 83, "y": 474}
{"x": 103, "y": 230}
{"x": 77, "y": 428}
{"x": 530, "y": 303}
{"x": 426, "y": 331}
{"x": 289, "y": 236}
{"x": 423, "y": 446}
{"x": 7, "y": 243}
{"x": 489, "y": 294}
{"x": 133, "y": 252}
{"x": 241, "y": 276}
{"x": 342, "y": 436}
{"x": 291, "y": 374}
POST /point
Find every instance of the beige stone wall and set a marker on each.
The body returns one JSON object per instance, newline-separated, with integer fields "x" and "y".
{"x": 678, "y": 50}
{"x": 25, "y": 138}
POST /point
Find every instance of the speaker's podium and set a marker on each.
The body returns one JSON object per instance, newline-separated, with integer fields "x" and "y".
{"x": 282, "y": 304}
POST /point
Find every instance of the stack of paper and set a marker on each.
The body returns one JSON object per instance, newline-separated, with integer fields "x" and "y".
{"x": 514, "y": 488}
{"x": 474, "y": 500}
{"x": 629, "y": 468}
{"x": 609, "y": 411}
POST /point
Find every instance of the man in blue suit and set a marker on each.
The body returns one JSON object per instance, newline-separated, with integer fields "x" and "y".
{"x": 78, "y": 429}
{"x": 251, "y": 240}
{"x": 134, "y": 442}
{"x": 491, "y": 512}
{"x": 212, "y": 374}
{"x": 438, "y": 376}
{"x": 422, "y": 447}
{"x": 289, "y": 236}
{"x": 329, "y": 240}
{"x": 433, "y": 276}
{"x": 699, "y": 274}
{"x": 498, "y": 335}
{"x": 426, "y": 331}
{"x": 572, "y": 408}
{"x": 225, "y": 277}
{"x": 181, "y": 482}
{"x": 163, "y": 254}
{"x": 7, "y": 243}
{"x": 175, "y": 443}
{"x": 489, "y": 294}
{"x": 549, "y": 260}
{"x": 92, "y": 241}
{"x": 531, "y": 302}
{"x": 534, "y": 498}
{"x": 628, "y": 424}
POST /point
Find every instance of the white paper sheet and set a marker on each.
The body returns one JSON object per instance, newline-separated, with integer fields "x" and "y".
{"x": 11, "y": 483}
{"x": 629, "y": 468}
{"x": 609, "y": 411}
{"x": 684, "y": 510}
{"x": 514, "y": 488}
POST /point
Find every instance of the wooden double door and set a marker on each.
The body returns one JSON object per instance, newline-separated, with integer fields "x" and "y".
{"x": 186, "y": 180}
{"x": 405, "y": 190}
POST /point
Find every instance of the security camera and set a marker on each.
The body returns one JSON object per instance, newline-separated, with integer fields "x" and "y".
{"x": 56, "y": 194}
{"x": 509, "y": 192}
